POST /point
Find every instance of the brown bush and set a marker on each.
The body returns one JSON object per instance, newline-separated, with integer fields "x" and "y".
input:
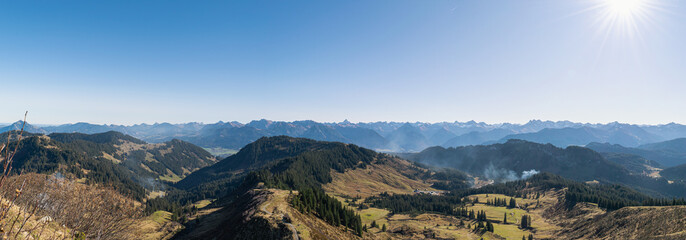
{"x": 29, "y": 203}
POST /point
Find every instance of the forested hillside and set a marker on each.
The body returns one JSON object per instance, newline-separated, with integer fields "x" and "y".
{"x": 306, "y": 167}
{"x": 676, "y": 173}
{"x": 110, "y": 158}
{"x": 511, "y": 160}
{"x": 664, "y": 158}
{"x": 41, "y": 154}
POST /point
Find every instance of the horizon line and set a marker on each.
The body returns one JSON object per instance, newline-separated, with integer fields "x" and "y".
{"x": 328, "y": 122}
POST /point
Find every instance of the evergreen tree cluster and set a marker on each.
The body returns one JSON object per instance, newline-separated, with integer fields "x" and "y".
{"x": 418, "y": 203}
{"x": 513, "y": 203}
{"x": 329, "y": 209}
{"x": 484, "y": 226}
{"x": 481, "y": 216}
{"x": 526, "y": 222}
{"x": 502, "y": 202}
{"x": 450, "y": 180}
{"x": 608, "y": 200}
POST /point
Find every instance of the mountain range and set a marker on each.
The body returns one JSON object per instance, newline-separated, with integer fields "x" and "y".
{"x": 385, "y": 136}
{"x": 289, "y": 188}
{"x": 281, "y": 187}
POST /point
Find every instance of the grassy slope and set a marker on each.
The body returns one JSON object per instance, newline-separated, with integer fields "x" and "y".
{"x": 633, "y": 223}
{"x": 377, "y": 178}
{"x": 372, "y": 180}
{"x": 403, "y": 226}
{"x": 157, "y": 226}
{"x": 425, "y": 225}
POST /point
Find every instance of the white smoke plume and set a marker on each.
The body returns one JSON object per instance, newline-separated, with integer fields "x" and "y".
{"x": 528, "y": 174}
{"x": 504, "y": 175}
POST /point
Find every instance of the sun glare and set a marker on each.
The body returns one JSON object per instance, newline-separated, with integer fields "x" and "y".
{"x": 625, "y": 8}
{"x": 624, "y": 17}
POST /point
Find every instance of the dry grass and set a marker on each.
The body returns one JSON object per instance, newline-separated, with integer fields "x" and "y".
{"x": 202, "y": 203}
{"x": 633, "y": 223}
{"x": 374, "y": 214}
{"x": 428, "y": 225}
{"x": 35, "y": 225}
{"x": 155, "y": 194}
{"x": 111, "y": 158}
{"x": 157, "y": 226}
{"x": 170, "y": 177}
{"x": 372, "y": 180}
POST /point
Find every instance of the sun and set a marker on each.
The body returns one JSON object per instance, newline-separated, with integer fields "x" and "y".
{"x": 625, "y": 8}
{"x": 624, "y": 17}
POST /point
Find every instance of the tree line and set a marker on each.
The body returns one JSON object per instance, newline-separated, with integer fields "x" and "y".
{"x": 327, "y": 208}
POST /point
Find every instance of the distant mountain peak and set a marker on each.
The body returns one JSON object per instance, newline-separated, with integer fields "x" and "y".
{"x": 260, "y": 124}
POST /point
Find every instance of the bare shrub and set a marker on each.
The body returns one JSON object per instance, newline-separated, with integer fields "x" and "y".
{"x": 37, "y": 206}
{"x": 93, "y": 212}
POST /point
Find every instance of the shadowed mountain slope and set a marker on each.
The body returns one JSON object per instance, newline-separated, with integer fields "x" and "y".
{"x": 510, "y": 160}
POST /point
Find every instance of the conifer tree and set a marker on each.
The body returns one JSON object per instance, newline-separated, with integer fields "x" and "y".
{"x": 489, "y": 226}
{"x": 525, "y": 221}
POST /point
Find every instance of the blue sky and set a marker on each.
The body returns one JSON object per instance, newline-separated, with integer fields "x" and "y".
{"x": 127, "y": 62}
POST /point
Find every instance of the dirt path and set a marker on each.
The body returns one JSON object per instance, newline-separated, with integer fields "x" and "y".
{"x": 264, "y": 207}
{"x": 295, "y": 231}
